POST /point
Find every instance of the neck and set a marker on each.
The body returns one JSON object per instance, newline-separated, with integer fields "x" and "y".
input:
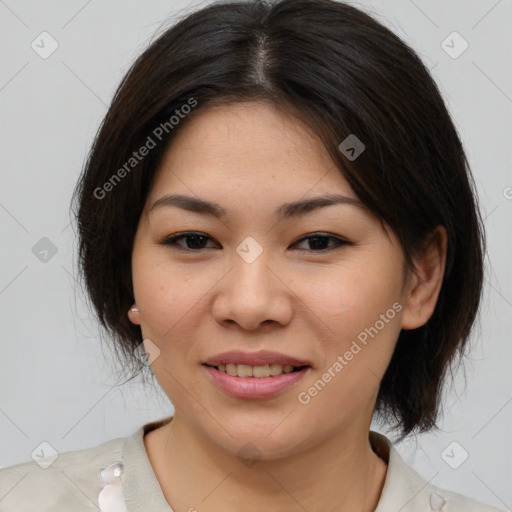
{"x": 340, "y": 474}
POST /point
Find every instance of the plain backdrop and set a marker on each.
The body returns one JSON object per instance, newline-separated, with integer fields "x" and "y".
{"x": 57, "y": 384}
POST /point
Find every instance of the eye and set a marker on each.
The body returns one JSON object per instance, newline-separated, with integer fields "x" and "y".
{"x": 319, "y": 242}
{"x": 195, "y": 242}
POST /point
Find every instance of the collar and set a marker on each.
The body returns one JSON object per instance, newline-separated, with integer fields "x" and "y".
{"x": 404, "y": 489}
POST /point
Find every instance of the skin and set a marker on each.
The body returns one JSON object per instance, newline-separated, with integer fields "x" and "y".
{"x": 294, "y": 299}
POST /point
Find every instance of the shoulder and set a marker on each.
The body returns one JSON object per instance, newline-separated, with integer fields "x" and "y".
{"x": 70, "y": 482}
{"x": 405, "y": 490}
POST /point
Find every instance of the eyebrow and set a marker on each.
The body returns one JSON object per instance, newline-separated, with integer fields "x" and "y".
{"x": 285, "y": 211}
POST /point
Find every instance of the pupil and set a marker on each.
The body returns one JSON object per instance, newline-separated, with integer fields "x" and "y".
{"x": 318, "y": 242}
{"x": 195, "y": 245}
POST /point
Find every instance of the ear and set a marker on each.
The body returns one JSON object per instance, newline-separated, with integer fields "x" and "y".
{"x": 133, "y": 315}
{"x": 425, "y": 280}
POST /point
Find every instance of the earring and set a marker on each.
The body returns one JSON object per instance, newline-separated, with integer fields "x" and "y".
{"x": 134, "y": 308}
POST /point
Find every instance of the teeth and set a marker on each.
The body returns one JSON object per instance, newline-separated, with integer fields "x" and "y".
{"x": 276, "y": 369}
{"x": 260, "y": 371}
{"x": 245, "y": 370}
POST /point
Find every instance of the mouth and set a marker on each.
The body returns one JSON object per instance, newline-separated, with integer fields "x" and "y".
{"x": 246, "y": 371}
{"x": 246, "y": 382}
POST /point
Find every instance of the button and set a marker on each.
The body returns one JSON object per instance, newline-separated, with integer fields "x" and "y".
{"x": 111, "y": 474}
{"x": 110, "y": 498}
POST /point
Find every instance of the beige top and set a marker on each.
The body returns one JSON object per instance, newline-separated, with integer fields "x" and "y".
{"x": 72, "y": 481}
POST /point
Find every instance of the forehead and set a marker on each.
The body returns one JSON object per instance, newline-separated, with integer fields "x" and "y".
{"x": 248, "y": 145}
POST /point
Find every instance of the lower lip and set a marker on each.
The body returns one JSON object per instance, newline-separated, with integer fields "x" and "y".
{"x": 252, "y": 387}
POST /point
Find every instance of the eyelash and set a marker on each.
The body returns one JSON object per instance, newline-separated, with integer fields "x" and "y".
{"x": 172, "y": 241}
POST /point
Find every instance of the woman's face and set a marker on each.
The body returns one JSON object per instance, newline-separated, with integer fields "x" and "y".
{"x": 323, "y": 285}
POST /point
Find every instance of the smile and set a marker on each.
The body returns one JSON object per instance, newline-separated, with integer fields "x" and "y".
{"x": 258, "y": 372}
{"x": 255, "y": 382}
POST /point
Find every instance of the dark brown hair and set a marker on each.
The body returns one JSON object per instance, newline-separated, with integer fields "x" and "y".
{"x": 342, "y": 73}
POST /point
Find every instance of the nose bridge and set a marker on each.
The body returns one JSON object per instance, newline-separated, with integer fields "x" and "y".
{"x": 251, "y": 273}
{"x": 251, "y": 293}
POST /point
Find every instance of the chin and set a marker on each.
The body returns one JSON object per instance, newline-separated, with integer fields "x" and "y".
{"x": 251, "y": 442}
{"x": 251, "y": 449}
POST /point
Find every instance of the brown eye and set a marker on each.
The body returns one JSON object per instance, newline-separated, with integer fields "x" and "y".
{"x": 320, "y": 242}
{"x": 193, "y": 241}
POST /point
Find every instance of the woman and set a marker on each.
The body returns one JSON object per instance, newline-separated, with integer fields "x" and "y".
{"x": 278, "y": 207}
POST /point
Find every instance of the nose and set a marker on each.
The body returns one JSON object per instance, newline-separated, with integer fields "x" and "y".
{"x": 253, "y": 295}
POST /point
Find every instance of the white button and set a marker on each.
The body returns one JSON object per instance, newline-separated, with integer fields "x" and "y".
{"x": 111, "y": 474}
{"x": 436, "y": 501}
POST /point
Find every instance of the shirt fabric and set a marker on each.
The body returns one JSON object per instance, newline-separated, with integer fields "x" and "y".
{"x": 72, "y": 482}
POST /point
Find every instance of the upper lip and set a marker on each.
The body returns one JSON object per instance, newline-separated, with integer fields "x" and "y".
{"x": 260, "y": 358}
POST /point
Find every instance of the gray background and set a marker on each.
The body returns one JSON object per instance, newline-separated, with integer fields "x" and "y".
{"x": 57, "y": 383}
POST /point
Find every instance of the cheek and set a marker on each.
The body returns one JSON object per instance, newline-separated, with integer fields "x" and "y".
{"x": 350, "y": 298}
{"x": 358, "y": 311}
{"x": 164, "y": 295}
{"x": 362, "y": 314}
{"x": 168, "y": 298}
{"x": 172, "y": 305}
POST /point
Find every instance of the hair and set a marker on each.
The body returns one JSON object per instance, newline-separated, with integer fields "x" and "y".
{"x": 341, "y": 72}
